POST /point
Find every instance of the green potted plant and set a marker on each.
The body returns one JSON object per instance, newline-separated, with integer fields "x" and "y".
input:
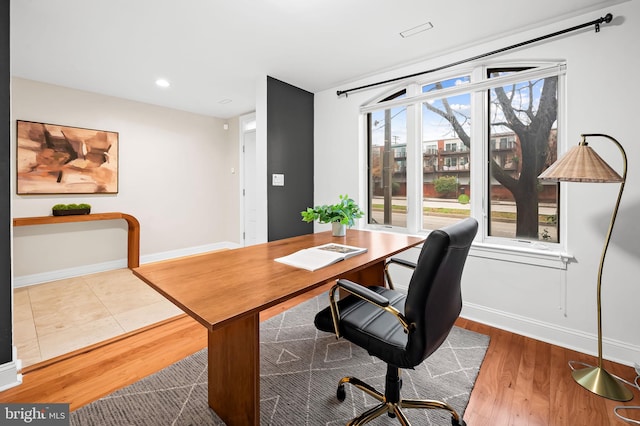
{"x": 70, "y": 209}
{"x": 340, "y": 215}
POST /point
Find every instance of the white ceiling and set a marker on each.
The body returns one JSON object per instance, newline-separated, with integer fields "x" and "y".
{"x": 215, "y": 50}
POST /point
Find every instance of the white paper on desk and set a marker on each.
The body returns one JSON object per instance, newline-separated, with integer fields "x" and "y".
{"x": 318, "y": 257}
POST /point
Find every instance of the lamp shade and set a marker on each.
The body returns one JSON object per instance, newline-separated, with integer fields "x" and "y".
{"x": 581, "y": 164}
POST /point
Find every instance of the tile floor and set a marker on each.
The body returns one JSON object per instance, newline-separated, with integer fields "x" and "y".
{"x": 55, "y": 318}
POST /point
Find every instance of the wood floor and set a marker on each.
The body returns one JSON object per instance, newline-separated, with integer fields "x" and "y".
{"x": 521, "y": 382}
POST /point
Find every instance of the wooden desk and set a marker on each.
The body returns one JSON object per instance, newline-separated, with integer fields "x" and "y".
{"x": 226, "y": 290}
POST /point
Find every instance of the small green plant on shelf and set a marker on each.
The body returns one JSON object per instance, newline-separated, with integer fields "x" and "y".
{"x": 345, "y": 212}
{"x": 69, "y": 209}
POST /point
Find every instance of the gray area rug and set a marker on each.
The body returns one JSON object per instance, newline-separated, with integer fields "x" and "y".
{"x": 300, "y": 369}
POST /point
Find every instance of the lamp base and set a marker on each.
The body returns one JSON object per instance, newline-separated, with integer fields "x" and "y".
{"x": 600, "y": 382}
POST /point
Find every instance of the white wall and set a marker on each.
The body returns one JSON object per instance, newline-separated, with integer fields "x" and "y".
{"x": 175, "y": 177}
{"x": 550, "y": 304}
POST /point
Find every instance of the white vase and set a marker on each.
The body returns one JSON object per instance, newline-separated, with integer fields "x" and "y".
{"x": 339, "y": 230}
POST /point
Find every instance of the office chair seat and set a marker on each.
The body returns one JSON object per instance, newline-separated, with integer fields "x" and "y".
{"x": 370, "y": 327}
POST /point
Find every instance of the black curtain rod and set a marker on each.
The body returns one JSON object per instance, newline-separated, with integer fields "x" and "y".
{"x": 608, "y": 18}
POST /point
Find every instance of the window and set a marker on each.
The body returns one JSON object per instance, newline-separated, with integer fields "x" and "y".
{"x": 387, "y": 164}
{"x": 446, "y": 122}
{"x": 477, "y": 146}
{"x": 523, "y": 117}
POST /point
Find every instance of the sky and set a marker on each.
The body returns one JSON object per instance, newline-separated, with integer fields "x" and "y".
{"x": 434, "y": 126}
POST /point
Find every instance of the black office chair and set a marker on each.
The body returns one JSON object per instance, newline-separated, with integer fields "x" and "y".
{"x": 403, "y": 330}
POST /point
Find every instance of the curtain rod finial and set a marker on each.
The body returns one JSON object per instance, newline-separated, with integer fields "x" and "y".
{"x": 607, "y": 18}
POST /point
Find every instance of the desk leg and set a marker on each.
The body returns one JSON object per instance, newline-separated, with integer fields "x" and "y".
{"x": 234, "y": 371}
{"x": 372, "y": 275}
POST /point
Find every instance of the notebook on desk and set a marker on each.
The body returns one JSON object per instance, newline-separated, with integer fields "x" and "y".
{"x": 318, "y": 257}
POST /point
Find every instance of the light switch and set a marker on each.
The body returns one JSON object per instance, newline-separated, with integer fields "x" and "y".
{"x": 277, "y": 179}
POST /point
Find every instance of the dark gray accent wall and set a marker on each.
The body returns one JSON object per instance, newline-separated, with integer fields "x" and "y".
{"x": 6, "y": 340}
{"x": 289, "y": 152}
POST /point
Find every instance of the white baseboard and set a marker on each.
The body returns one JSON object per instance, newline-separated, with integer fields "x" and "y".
{"x": 613, "y": 350}
{"x": 61, "y": 274}
{"x": 10, "y": 373}
{"x": 27, "y": 280}
{"x": 187, "y": 251}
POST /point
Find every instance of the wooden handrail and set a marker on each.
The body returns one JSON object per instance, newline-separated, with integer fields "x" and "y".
{"x": 133, "y": 237}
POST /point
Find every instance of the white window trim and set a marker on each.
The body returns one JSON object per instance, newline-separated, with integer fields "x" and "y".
{"x": 477, "y": 86}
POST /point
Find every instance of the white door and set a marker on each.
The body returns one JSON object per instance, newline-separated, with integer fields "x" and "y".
{"x": 249, "y": 192}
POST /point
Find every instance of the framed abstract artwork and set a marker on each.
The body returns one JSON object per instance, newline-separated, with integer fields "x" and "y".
{"x": 54, "y": 159}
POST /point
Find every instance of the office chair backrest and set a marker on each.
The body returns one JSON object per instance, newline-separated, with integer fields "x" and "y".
{"x": 434, "y": 299}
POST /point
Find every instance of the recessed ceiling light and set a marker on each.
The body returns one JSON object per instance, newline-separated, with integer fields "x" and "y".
{"x": 416, "y": 30}
{"x": 161, "y": 82}
{"x": 224, "y": 101}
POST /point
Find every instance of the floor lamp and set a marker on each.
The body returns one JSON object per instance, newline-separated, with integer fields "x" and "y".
{"x": 582, "y": 164}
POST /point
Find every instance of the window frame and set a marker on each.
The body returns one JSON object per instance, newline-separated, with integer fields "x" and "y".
{"x": 541, "y": 253}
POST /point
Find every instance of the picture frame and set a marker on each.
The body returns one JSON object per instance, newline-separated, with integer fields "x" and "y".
{"x": 57, "y": 159}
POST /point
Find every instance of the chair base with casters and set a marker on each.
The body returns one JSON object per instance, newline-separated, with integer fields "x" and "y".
{"x": 390, "y": 402}
{"x": 403, "y": 330}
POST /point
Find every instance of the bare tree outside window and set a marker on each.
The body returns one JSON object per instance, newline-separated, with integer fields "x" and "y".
{"x": 527, "y": 113}
{"x": 522, "y": 143}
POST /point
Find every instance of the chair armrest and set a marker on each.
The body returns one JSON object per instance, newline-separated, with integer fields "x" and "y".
{"x": 394, "y": 260}
{"x": 363, "y": 292}
{"x": 402, "y": 262}
{"x": 367, "y": 295}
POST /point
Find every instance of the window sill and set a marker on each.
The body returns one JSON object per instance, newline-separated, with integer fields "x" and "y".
{"x": 545, "y": 258}
{"x": 530, "y": 256}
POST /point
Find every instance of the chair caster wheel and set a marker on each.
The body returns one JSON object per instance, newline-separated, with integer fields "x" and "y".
{"x": 341, "y": 393}
{"x": 455, "y": 422}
